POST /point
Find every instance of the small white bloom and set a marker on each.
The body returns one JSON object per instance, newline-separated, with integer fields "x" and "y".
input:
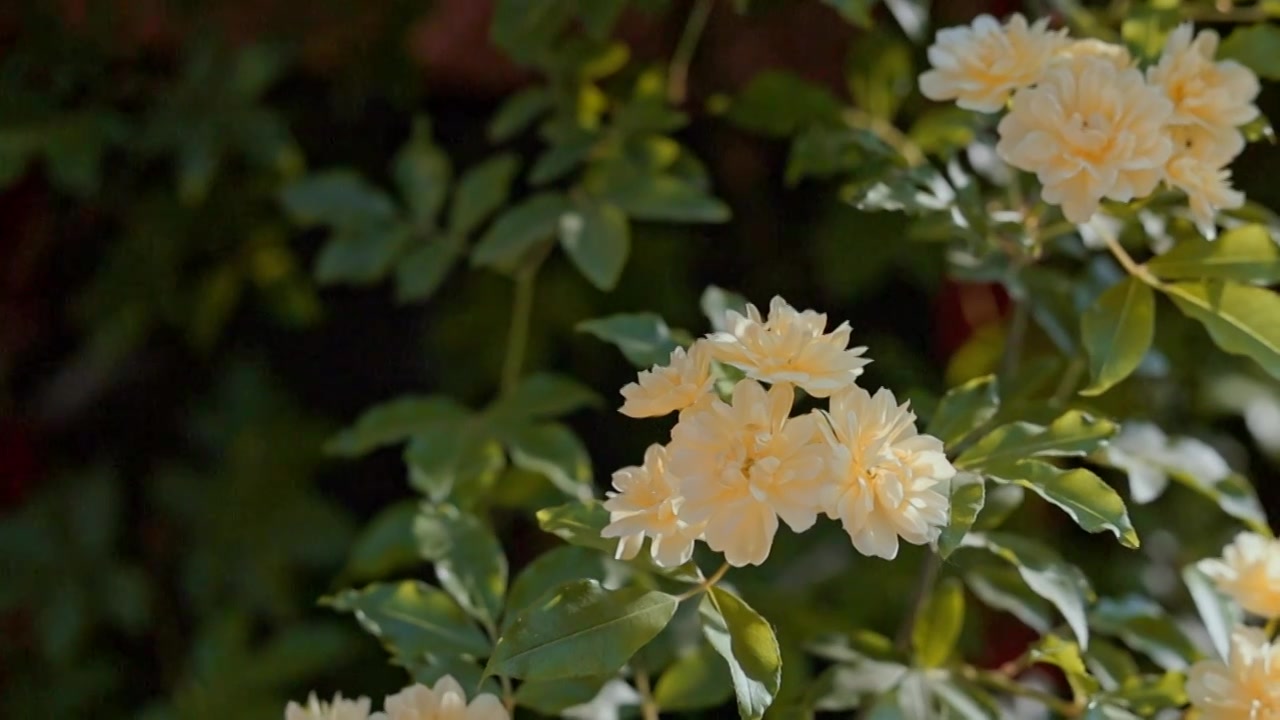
{"x": 445, "y": 701}
{"x": 790, "y": 347}
{"x": 1249, "y": 572}
{"x": 980, "y": 65}
{"x": 337, "y": 709}
{"x": 646, "y": 503}
{"x": 666, "y": 389}
{"x": 887, "y": 480}
{"x": 1246, "y": 687}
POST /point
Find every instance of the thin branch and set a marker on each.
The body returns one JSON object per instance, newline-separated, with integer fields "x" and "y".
{"x": 648, "y": 708}
{"x": 705, "y": 585}
{"x": 682, "y": 58}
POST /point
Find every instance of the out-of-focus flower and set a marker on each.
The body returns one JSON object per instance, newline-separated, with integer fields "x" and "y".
{"x": 1088, "y": 131}
{"x": 1249, "y": 572}
{"x": 1214, "y": 95}
{"x": 887, "y": 480}
{"x": 646, "y": 504}
{"x": 744, "y": 465}
{"x": 1246, "y": 687}
{"x": 981, "y": 64}
{"x": 789, "y": 347}
{"x": 675, "y": 386}
{"x": 338, "y": 709}
{"x": 1148, "y": 456}
{"x": 1115, "y": 54}
{"x": 1198, "y": 168}
{"x": 445, "y": 701}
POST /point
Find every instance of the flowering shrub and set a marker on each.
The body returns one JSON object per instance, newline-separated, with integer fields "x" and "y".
{"x": 1052, "y": 509}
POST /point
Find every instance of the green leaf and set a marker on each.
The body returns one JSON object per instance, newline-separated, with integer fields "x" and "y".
{"x": 469, "y": 560}
{"x": 1117, "y": 330}
{"x": 518, "y": 229}
{"x": 1219, "y": 613}
{"x": 1149, "y": 695}
{"x": 937, "y": 626}
{"x": 1234, "y": 494}
{"x": 1045, "y": 572}
{"x": 643, "y": 338}
{"x": 1245, "y": 254}
{"x": 597, "y": 239}
{"x": 551, "y": 697}
{"x": 339, "y": 198}
{"x": 1111, "y": 664}
{"x": 1065, "y": 655}
{"x": 543, "y": 396}
{"x": 550, "y": 570}
{"x": 429, "y": 669}
{"x": 847, "y": 686}
{"x": 458, "y": 454}
{"x": 422, "y": 173}
{"x": 481, "y": 190}
{"x": 644, "y": 194}
{"x": 385, "y": 546}
{"x": 881, "y": 74}
{"x": 781, "y": 104}
{"x": 394, "y": 422}
{"x": 599, "y": 16}
{"x": 944, "y": 130}
{"x": 580, "y": 630}
{"x": 563, "y": 157}
{"x": 965, "y": 408}
{"x": 553, "y": 451}
{"x": 578, "y": 523}
{"x": 1146, "y": 628}
{"x": 1241, "y": 319}
{"x": 697, "y": 681}
{"x": 857, "y": 12}
{"x": 1073, "y": 433}
{"x": 1002, "y": 587}
{"x": 361, "y": 255}
{"x": 1092, "y": 503}
{"x": 518, "y": 112}
{"x": 968, "y": 495}
{"x": 1001, "y": 502}
{"x": 747, "y": 643}
{"x": 421, "y": 272}
{"x": 1255, "y": 47}
{"x": 412, "y": 619}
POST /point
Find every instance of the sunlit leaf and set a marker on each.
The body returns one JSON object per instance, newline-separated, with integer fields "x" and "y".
{"x": 643, "y": 338}
{"x": 747, "y": 643}
{"x": 1117, "y": 330}
{"x": 1091, "y": 502}
{"x": 937, "y": 627}
{"x": 1241, "y": 319}
{"x": 468, "y": 559}
{"x": 1245, "y": 254}
{"x": 412, "y": 619}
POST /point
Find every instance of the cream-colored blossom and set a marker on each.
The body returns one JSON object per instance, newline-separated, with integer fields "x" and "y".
{"x": 675, "y": 386}
{"x": 980, "y": 65}
{"x": 744, "y": 465}
{"x": 646, "y": 503}
{"x": 1214, "y": 95}
{"x": 445, "y": 701}
{"x": 1249, "y": 572}
{"x": 1198, "y": 168}
{"x": 887, "y": 481}
{"x": 789, "y": 347}
{"x": 1115, "y": 54}
{"x": 1088, "y": 131}
{"x": 1246, "y": 687}
{"x": 338, "y": 709}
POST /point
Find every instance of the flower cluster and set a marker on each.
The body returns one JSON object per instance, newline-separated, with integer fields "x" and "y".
{"x": 737, "y": 465}
{"x": 445, "y": 701}
{"x": 1247, "y": 685}
{"x": 1090, "y": 123}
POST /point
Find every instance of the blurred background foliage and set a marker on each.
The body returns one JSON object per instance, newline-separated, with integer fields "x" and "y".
{"x": 229, "y": 227}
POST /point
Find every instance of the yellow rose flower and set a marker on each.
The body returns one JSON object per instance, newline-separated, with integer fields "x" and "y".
{"x": 1249, "y": 572}
{"x": 1115, "y": 54}
{"x": 744, "y": 465}
{"x": 445, "y": 701}
{"x": 887, "y": 481}
{"x": 789, "y": 347}
{"x": 646, "y": 504}
{"x": 1198, "y": 168}
{"x": 1088, "y": 131}
{"x": 1205, "y": 93}
{"x": 338, "y": 709}
{"x": 1246, "y": 687}
{"x": 980, "y": 65}
{"x": 665, "y": 389}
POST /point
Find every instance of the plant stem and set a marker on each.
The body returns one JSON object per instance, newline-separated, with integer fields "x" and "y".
{"x": 648, "y": 708}
{"x": 1013, "y": 341}
{"x": 678, "y": 72}
{"x": 1126, "y": 261}
{"x": 521, "y": 315}
{"x": 1070, "y": 379}
{"x": 924, "y": 586}
{"x": 705, "y": 585}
